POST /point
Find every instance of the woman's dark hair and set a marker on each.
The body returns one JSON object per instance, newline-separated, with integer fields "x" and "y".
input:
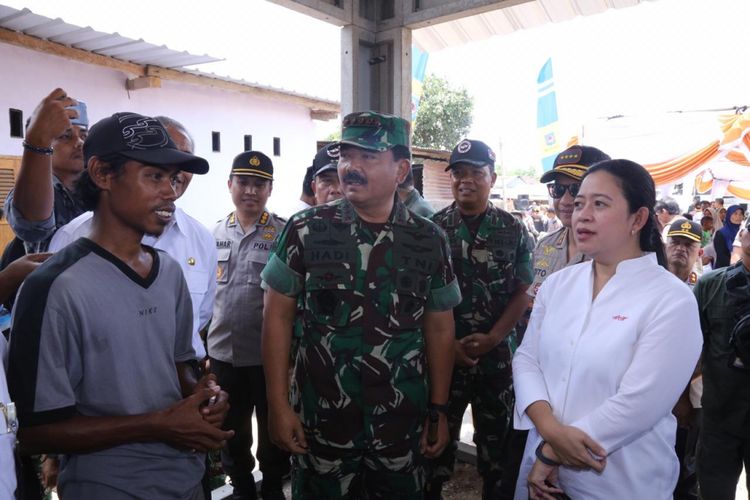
{"x": 639, "y": 190}
{"x": 87, "y": 191}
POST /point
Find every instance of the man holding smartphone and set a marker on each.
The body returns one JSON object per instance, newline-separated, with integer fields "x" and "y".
{"x": 42, "y": 199}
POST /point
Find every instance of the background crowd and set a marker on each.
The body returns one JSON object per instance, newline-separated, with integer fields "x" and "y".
{"x": 601, "y": 341}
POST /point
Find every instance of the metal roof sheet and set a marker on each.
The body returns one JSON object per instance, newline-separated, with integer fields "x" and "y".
{"x": 509, "y": 19}
{"x": 87, "y": 38}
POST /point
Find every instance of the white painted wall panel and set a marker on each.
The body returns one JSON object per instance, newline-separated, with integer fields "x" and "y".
{"x": 29, "y": 75}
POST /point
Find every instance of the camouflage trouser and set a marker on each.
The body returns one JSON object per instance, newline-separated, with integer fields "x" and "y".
{"x": 499, "y": 447}
{"x": 396, "y": 474}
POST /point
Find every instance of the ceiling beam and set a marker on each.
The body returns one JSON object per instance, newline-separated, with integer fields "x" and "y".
{"x": 442, "y": 11}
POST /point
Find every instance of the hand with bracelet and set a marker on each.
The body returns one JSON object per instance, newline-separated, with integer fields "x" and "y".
{"x": 542, "y": 479}
{"x": 567, "y": 444}
{"x": 572, "y": 447}
{"x": 50, "y": 119}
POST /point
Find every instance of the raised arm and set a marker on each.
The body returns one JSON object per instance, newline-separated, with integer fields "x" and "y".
{"x": 33, "y": 196}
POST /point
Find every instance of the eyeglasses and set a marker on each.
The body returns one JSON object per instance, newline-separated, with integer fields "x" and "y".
{"x": 558, "y": 190}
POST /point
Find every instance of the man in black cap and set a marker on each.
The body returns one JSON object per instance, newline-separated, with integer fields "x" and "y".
{"x": 243, "y": 242}
{"x": 101, "y": 345}
{"x": 557, "y": 249}
{"x": 326, "y": 183}
{"x": 684, "y": 249}
{"x": 490, "y": 253}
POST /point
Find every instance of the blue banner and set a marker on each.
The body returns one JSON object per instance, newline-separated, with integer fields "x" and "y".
{"x": 418, "y": 68}
{"x": 546, "y": 116}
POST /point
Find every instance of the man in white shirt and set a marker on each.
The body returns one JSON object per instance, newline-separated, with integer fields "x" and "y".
{"x": 184, "y": 239}
{"x": 667, "y": 211}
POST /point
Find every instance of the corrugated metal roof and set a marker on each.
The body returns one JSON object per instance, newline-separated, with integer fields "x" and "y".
{"x": 106, "y": 44}
{"x": 507, "y": 20}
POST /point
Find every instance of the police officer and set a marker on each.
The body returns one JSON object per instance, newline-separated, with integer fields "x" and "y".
{"x": 683, "y": 249}
{"x": 557, "y": 250}
{"x": 373, "y": 289}
{"x": 492, "y": 261}
{"x": 243, "y": 243}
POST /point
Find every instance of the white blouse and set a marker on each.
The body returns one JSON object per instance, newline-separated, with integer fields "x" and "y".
{"x": 613, "y": 367}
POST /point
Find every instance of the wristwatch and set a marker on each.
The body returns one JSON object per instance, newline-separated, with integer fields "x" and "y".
{"x": 434, "y": 407}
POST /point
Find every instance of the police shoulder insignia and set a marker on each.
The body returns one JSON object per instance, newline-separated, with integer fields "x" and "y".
{"x": 264, "y": 218}
{"x": 693, "y": 278}
{"x": 548, "y": 249}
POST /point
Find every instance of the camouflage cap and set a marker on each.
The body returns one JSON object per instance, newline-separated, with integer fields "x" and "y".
{"x": 375, "y": 131}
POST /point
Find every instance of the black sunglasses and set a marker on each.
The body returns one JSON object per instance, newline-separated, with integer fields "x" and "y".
{"x": 558, "y": 190}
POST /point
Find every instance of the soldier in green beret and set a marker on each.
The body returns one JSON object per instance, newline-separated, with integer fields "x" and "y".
{"x": 372, "y": 289}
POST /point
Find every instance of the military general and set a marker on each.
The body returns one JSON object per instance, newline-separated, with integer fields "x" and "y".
{"x": 373, "y": 289}
{"x": 491, "y": 257}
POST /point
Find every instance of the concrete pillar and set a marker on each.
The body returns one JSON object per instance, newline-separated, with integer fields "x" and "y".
{"x": 376, "y": 70}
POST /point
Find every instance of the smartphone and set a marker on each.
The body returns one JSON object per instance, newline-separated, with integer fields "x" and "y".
{"x": 83, "y": 116}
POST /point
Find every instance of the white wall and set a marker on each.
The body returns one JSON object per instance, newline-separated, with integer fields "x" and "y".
{"x": 28, "y": 76}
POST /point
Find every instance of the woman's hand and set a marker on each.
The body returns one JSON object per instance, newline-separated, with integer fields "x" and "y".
{"x": 572, "y": 447}
{"x": 542, "y": 482}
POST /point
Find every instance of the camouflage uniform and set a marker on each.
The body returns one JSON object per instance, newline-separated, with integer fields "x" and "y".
{"x": 359, "y": 384}
{"x": 489, "y": 267}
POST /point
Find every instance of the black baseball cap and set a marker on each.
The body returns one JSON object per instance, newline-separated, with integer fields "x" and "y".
{"x": 139, "y": 138}
{"x": 687, "y": 229}
{"x": 573, "y": 162}
{"x": 326, "y": 159}
{"x": 472, "y": 152}
{"x": 253, "y": 163}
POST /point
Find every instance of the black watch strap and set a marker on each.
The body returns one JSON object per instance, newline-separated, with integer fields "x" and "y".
{"x": 542, "y": 458}
{"x": 438, "y": 408}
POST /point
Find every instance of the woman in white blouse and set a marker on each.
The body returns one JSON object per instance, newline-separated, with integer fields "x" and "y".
{"x": 610, "y": 347}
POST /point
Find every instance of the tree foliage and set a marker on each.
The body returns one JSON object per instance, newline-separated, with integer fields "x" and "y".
{"x": 444, "y": 114}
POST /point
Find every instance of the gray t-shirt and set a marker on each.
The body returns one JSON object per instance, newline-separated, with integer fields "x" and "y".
{"x": 92, "y": 337}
